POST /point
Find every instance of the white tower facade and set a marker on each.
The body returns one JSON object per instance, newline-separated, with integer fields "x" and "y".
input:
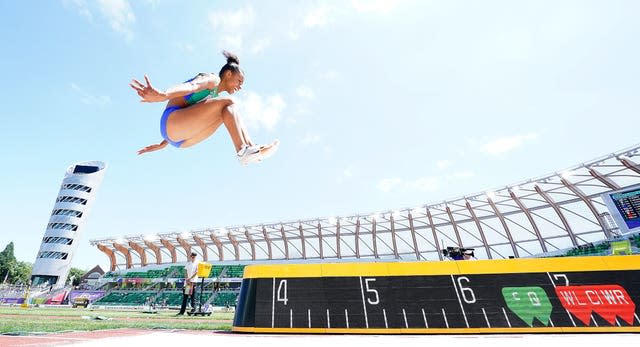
{"x": 66, "y": 224}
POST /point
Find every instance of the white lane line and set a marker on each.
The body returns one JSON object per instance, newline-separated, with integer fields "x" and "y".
{"x": 446, "y": 322}
{"x": 384, "y": 313}
{"x": 273, "y": 303}
{"x": 567, "y": 311}
{"x": 506, "y": 317}
{"x": 485, "y": 318}
{"x": 406, "y": 324}
{"x": 455, "y": 287}
{"x": 424, "y": 316}
{"x": 364, "y": 306}
{"x": 346, "y": 317}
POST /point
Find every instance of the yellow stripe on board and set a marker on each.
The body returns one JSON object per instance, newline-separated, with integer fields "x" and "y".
{"x": 522, "y": 265}
{"x": 629, "y": 329}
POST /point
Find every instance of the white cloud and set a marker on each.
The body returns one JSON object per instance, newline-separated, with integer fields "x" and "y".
{"x": 185, "y": 47}
{"x": 309, "y": 139}
{"x": 318, "y": 17}
{"x": 388, "y": 184}
{"x": 443, "y": 164}
{"x": 232, "y": 26}
{"x": 120, "y": 16}
{"x": 260, "y": 45}
{"x": 507, "y": 143}
{"x": 425, "y": 184}
{"x": 329, "y": 75}
{"x": 258, "y": 111}
{"x": 463, "y": 174}
{"x": 378, "y": 6}
{"x": 88, "y": 98}
{"x": 305, "y": 92}
{"x": 346, "y": 174}
{"x": 81, "y": 6}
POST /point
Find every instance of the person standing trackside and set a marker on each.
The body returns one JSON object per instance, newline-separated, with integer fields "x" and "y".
{"x": 190, "y": 282}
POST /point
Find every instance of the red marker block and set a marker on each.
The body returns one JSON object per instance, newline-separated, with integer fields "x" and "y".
{"x": 609, "y": 301}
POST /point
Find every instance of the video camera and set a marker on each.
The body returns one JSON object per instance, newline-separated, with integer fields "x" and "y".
{"x": 457, "y": 253}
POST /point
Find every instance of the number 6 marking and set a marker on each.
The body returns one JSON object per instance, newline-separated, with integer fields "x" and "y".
{"x": 369, "y": 290}
{"x": 465, "y": 291}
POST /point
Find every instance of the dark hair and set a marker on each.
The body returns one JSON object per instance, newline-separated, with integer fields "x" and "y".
{"x": 233, "y": 64}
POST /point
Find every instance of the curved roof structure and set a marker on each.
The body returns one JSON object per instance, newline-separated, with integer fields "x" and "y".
{"x": 540, "y": 215}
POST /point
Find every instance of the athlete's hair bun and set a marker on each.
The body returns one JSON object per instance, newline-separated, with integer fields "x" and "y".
{"x": 231, "y": 58}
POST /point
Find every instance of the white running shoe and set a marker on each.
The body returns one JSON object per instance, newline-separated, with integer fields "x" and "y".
{"x": 252, "y": 154}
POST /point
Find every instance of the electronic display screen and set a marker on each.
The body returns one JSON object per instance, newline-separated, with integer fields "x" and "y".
{"x": 627, "y": 205}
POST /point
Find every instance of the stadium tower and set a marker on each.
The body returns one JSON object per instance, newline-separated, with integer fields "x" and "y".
{"x": 69, "y": 215}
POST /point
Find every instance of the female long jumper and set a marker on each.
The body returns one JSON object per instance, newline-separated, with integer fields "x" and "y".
{"x": 195, "y": 111}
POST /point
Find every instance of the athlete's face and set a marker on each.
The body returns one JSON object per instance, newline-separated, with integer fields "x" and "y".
{"x": 235, "y": 82}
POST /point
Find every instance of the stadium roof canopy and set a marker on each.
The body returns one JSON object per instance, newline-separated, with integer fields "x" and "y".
{"x": 540, "y": 215}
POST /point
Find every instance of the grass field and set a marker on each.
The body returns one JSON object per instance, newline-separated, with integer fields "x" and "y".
{"x": 16, "y": 320}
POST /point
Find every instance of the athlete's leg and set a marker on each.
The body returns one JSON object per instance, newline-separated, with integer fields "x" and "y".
{"x": 208, "y": 131}
{"x": 231, "y": 121}
{"x": 185, "y": 123}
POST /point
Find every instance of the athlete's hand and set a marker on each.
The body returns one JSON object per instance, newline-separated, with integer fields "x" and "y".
{"x": 152, "y": 148}
{"x": 147, "y": 92}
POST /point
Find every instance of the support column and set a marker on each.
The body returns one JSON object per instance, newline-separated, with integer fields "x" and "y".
{"x": 435, "y": 235}
{"x": 555, "y": 207}
{"x": 268, "y": 241}
{"x": 234, "y": 243}
{"x": 479, "y": 226}
{"x": 218, "y": 244}
{"x": 527, "y": 213}
{"x": 357, "y": 238}
{"x": 171, "y": 248}
{"x": 413, "y": 236}
{"x": 112, "y": 257}
{"x": 455, "y": 226}
{"x": 286, "y": 242}
{"x": 302, "y": 241}
{"x": 514, "y": 248}
{"x": 156, "y": 251}
{"x": 589, "y": 204}
{"x": 393, "y": 237}
{"x": 143, "y": 256}
{"x": 252, "y": 243}
{"x": 185, "y": 245}
{"x": 203, "y": 246}
{"x": 320, "y": 241}
{"x": 124, "y": 250}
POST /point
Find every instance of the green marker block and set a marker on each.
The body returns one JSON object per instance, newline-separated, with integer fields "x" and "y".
{"x": 528, "y": 303}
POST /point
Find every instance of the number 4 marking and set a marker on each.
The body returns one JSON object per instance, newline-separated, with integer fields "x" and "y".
{"x": 282, "y": 292}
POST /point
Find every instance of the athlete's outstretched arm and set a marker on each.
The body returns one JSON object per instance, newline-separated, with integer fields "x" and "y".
{"x": 148, "y": 93}
{"x": 152, "y": 148}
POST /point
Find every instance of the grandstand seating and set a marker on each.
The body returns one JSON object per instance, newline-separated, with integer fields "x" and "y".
{"x": 176, "y": 271}
{"x": 602, "y": 248}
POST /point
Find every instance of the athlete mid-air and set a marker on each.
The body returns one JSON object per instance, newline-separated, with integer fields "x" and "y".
{"x": 195, "y": 111}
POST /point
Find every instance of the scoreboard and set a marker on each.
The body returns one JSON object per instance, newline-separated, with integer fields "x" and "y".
{"x": 574, "y": 294}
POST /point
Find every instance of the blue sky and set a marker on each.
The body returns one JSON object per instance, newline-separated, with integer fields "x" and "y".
{"x": 378, "y": 105}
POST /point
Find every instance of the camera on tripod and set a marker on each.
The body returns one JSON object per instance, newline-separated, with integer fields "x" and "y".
{"x": 457, "y": 253}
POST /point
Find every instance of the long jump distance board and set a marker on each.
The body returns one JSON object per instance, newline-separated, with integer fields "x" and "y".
{"x": 551, "y": 295}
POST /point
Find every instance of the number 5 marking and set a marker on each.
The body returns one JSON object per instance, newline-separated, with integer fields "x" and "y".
{"x": 369, "y": 290}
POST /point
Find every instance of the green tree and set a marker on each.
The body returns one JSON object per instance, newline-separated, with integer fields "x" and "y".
{"x": 75, "y": 273}
{"x": 22, "y": 272}
{"x": 7, "y": 263}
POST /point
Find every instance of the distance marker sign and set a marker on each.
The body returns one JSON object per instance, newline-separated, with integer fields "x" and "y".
{"x": 562, "y": 294}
